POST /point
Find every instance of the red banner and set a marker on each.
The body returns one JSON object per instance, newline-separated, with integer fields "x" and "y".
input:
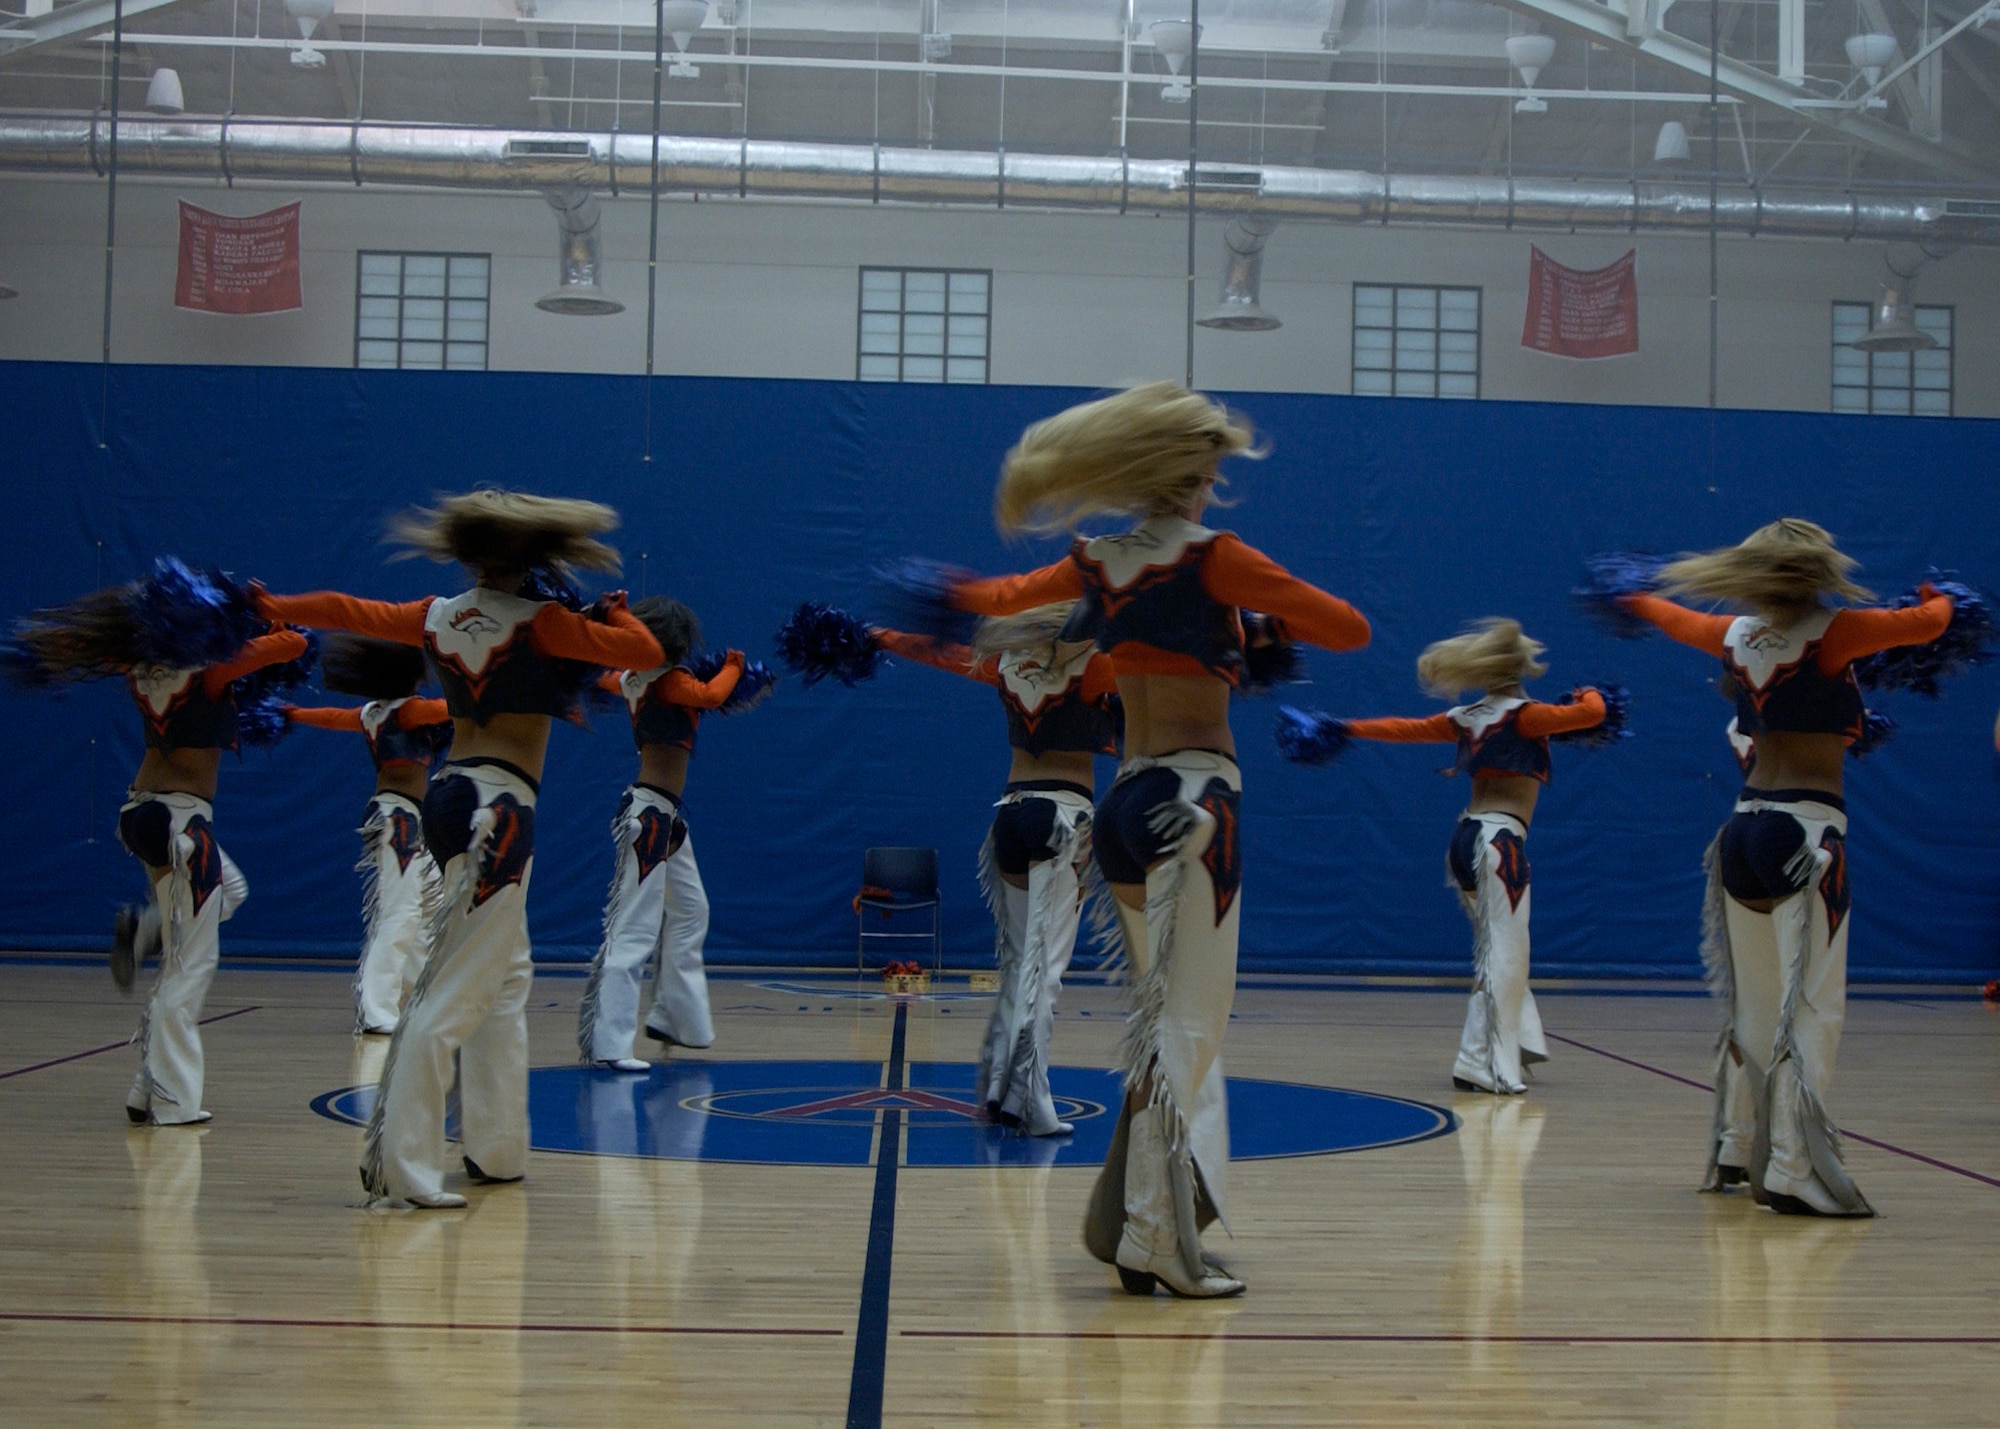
{"x": 1573, "y": 313}
{"x": 239, "y": 265}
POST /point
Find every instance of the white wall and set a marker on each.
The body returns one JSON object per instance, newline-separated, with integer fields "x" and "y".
{"x": 770, "y": 290}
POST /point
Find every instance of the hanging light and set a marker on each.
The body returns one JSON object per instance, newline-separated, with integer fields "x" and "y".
{"x": 1175, "y": 41}
{"x": 1530, "y": 54}
{"x": 163, "y": 92}
{"x": 579, "y": 290}
{"x": 1870, "y": 54}
{"x": 1671, "y": 147}
{"x": 1239, "y": 311}
{"x": 681, "y": 19}
{"x": 1892, "y": 322}
{"x": 7, "y": 292}
{"x": 308, "y": 14}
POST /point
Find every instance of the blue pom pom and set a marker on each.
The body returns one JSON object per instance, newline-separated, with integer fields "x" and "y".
{"x": 1876, "y": 728}
{"x": 823, "y": 642}
{"x": 1613, "y": 574}
{"x": 916, "y": 596}
{"x": 1968, "y": 640}
{"x": 752, "y": 686}
{"x": 1269, "y": 659}
{"x": 261, "y": 722}
{"x": 1311, "y": 736}
{"x": 187, "y": 618}
{"x": 260, "y": 695}
{"x": 547, "y": 583}
{"x": 1615, "y": 726}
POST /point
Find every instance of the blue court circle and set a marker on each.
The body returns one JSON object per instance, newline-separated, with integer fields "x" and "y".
{"x": 825, "y": 1114}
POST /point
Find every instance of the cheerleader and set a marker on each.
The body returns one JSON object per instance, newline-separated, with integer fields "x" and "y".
{"x": 1503, "y": 745}
{"x": 1061, "y": 700}
{"x": 399, "y": 878}
{"x": 657, "y": 913}
{"x": 508, "y": 662}
{"x": 1775, "y": 934}
{"x": 1162, "y": 600}
{"x": 190, "y": 716}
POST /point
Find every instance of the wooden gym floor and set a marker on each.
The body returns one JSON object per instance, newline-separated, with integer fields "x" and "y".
{"x": 1547, "y": 1262}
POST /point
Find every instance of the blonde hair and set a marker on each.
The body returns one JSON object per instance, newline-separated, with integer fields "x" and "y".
{"x": 1038, "y": 630}
{"x": 1145, "y": 451}
{"x": 1781, "y": 569}
{"x": 1490, "y": 654}
{"x": 509, "y": 532}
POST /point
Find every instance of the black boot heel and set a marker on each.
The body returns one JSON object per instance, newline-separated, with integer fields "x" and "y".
{"x": 1137, "y": 1282}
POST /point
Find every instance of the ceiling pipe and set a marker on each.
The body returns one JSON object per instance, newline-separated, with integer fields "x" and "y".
{"x": 1239, "y": 311}
{"x": 498, "y": 159}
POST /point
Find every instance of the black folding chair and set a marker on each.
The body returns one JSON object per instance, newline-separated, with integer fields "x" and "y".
{"x": 895, "y": 882}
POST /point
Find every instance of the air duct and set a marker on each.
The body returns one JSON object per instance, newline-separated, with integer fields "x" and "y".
{"x": 1239, "y": 311}
{"x": 578, "y": 293}
{"x": 350, "y": 153}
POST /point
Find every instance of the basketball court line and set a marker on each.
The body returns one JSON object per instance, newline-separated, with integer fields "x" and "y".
{"x": 1850, "y": 1135}
{"x": 84, "y": 1317}
{"x": 1441, "y": 1338}
{"x": 871, "y": 1332}
{"x": 114, "y": 1046}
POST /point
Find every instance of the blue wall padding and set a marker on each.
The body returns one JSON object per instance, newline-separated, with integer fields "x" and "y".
{"x": 763, "y": 493}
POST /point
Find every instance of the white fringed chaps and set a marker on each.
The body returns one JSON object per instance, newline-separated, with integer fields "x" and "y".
{"x": 1503, "y": 1026}
{"x": 400, "y": 887}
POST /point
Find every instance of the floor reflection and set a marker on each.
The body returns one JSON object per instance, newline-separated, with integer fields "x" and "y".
{"x": 174, "y": 1355}
{"x": 1486, "y": 1287}
{"x": 1773, "y": 1279}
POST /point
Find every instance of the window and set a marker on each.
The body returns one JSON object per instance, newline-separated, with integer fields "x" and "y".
{"x": 1415, "y": 342}
{"x": 1899, "y": 384}
{"x": 924, "y": 325}
{"x": 421, "y": 309}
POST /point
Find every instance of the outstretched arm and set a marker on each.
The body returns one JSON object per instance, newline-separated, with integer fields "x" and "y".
{"x": 1237, "y": 574}
{"x": 1437, "y": 729}
{"x": 1010, "y": 595}
{"x": 348, "y": 720}
{"x": 1538, "y": 720}
{"x": 402, "y": 622}
{"x": 415, "y": 714}
{"x": 1855, "y": 633}
{"x": 273, "y": 649}
{"x": 1690, "y": 627}
{"x": 946, "y": 655}
{"x": 620, "y": 640}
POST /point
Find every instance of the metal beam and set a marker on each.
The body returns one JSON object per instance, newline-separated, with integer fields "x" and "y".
{"x": 86, "y": 17}
{"x": 1603, "y": 25}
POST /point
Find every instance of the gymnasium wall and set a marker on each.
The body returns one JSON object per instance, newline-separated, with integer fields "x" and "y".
{"x": 763, "y": 492}
{"x": 770, "y": 290}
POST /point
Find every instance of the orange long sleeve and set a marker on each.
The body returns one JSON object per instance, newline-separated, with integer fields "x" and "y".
{"x": 680, "y": 687}
{"x": 610, "y": 683}
{"x": 330, "y": 610}
{"x": 620, "y": 640}
{"x": 1690, "y": 627}
{"x": 415, "y": 714}
{"x": 348, "y": 720}
{"x": 1100, "y": 678}
{"x": 273, "y": 649}
{"x": 1237, "y": 574}
{"x": 1436, "y": 729}
{"x": 1010, "y": 595}
{"x": 1538, "y": 720}
{"x": 943, "y": 655}
{"x": 1855, "y": 633}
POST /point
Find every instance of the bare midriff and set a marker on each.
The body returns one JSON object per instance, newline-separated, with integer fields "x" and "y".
{"x": 521, "y": 740}
{"x": 664, "y": 766}
{"x": 1168, "y": 712}
{"x": 178, "y": 771}
{"x": 1506, "y": 794}
{"x": 1071, "y": 765}
{"x": 1789, "y": 760}
{"x": 405, "y": 778}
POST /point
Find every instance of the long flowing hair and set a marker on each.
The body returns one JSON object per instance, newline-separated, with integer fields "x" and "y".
{"x": 1035, "y": 631}
{"x": 1143, "y": 452}
{"x": 1781, "y": 570}
{"x": 90, "y": 638}
{"x": 502, "y": 535}
{"x": 1489, "y": 654}
{"x": 370, "y": 668}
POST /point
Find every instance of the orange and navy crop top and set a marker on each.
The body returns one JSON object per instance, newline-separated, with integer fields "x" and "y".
{"x": 196, "y": 708}
{"x": 405, "y": 731}
{"x": 1164, "y": 599}
{"x": 493, "y": 653}
{"x": 666, "y": 705}
{"x": 1798, "y": 678}
{"x": 1070, "y": 706}
{"x": 1496, "y": 738}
